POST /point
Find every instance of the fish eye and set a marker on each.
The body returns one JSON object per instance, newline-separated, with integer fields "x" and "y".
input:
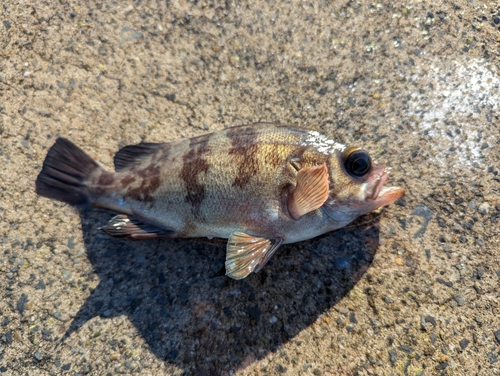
{"x": 357, "y": 162}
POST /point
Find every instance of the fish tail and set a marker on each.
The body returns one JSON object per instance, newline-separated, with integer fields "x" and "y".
{"x": 66, "y": 174}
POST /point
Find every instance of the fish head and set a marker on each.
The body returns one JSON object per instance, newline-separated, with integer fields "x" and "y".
{"x": 357, "y": 185}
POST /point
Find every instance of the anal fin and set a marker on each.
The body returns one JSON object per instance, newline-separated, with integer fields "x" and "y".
{"x": 122, "y": 226}
{"x": 246, "y": 254}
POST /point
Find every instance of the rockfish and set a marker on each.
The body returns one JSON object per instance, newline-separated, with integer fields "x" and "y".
{"x": 259, "y": 186}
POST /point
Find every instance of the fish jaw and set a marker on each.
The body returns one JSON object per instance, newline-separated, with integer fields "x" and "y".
{"x": 376, "y": 193}
{"x": 386, "y": 196}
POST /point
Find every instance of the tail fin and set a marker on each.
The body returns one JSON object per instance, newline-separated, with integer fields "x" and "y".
{"x": 65, "y": 173}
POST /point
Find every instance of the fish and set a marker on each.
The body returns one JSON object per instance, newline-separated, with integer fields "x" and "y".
{"x": 258, "y": 186}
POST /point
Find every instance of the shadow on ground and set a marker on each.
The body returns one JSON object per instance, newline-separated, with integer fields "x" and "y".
{"x": 175, "y": 293}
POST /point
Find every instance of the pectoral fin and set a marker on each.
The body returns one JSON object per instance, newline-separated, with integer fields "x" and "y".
{"x": 123, "y": 226}
{"x": 311, "y": 191}
{"x": 246, "y": 254}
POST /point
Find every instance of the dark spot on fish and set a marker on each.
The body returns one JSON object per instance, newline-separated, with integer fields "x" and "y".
{"x": 192, "y": 167}
{"x": 150, "y": 183}
{"x": 248, "y": 165}
{"x": 242, "y": 132}
{"x": 244, "y": 145}
{"x": 154, "y": 184}
{"x": 105, "y": 179}
{"x": 274, "y": 160}
{"x": 138, "y": 193}
{"x": 133, "y": 155}
{"x": 143, "y": 172}
{"x": 127, "y": 180}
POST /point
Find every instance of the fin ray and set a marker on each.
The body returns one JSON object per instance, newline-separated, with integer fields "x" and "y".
{"x": 246, "y": 254}
{"x": 65, "y": 173}
{"x": 123, "y": 226}
{"x": 311, "y": 191}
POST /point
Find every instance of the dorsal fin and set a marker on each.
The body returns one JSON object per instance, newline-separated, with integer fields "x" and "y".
{"x": 131, "y": 155}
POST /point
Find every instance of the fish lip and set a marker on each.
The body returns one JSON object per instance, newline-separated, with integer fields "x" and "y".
{"x": 376, "y": 182}
{"x": 379, "y": 193}
{"x": 379, "y": 182}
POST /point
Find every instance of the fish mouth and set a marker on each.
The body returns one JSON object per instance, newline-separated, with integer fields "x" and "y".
{"x": 373, "y": 195}
{"x": 380, "y": 195}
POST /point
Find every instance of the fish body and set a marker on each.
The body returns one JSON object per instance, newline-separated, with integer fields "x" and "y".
{"x": 258, "y": 185}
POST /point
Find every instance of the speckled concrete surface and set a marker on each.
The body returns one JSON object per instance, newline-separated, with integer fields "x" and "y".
{"x": 411, "y": 290}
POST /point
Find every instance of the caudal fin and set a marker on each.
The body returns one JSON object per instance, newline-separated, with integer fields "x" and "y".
{"x": 65, "y": 173}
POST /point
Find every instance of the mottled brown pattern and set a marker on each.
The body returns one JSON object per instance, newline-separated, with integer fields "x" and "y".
{"x": 274, "y": 160}
{"x": 102, "y": 183}
{"x": 310, "y": 157}
{"x": 148, "y": 171}
{"x": 244, "y": 144}
{"x": 127, "y": 180}
{"x": 133, "y": 155}
{"x": 240, "y": 131}
{"x": 105, "y": 179}
{"x": 192, "y": 167}
{"x": 248, "y": 165}
{"x": 150, "y": 183}
{"x": 164, "y": 155}
{"x": 242, "y": 136}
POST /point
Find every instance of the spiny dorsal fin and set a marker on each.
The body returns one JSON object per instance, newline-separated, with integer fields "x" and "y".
{"x": 311, "y": 191}
{"x": 122, "y": 226}
{"x": 246, "y": 254}
{"x": 131, "y": 155}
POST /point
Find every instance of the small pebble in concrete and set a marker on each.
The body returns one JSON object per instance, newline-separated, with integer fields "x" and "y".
{"x": 484, "y": 208}
{"x": 459, "y": 299}
{"x": 393, "y": 356}
{"x": 493, "y": 358}
{"x": 21, "y": 303}
{"x": 442, "y": 366}
{"x": 464, "y": 343}
{"x": 497, "y": 336}
{"x": 66, "y": 367}
{"x": 480, "y": 272}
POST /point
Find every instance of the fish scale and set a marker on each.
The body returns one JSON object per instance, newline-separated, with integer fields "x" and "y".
{"x": 229, "y": 172}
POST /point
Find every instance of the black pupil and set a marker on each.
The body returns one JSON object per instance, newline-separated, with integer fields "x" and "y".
{"x": 358, "y": 163}
{"x": 359, "y": 166}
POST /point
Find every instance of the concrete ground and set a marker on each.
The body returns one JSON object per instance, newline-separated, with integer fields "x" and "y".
{"x": 410, "y": 290}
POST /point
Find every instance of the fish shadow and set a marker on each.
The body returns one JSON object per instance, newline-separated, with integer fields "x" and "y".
{"x": 192, "y": 316}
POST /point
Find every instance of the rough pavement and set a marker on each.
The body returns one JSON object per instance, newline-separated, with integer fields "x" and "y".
{"x": 411, "y": 290}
